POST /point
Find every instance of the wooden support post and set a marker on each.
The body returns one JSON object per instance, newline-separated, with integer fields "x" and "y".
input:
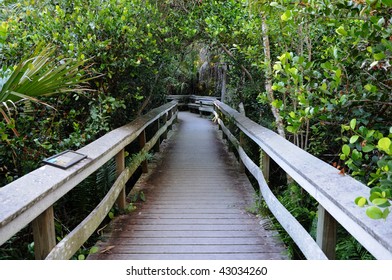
{"x": 164, "y": 119}
{"x": 44, "y": 234}
{"x": 265, "y": 165}
{"x": 120, "y": 166}
{"x": 156, "y": 126}
{"x": 142, "y": 143}
{"x": 242, "y": 135}
{"x": 242, "y": 143}
{"x": 326, "y": 233}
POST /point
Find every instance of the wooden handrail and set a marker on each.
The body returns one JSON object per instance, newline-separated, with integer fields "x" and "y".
{"x": 30, "y": 197}
{"x": 334, "y": 192}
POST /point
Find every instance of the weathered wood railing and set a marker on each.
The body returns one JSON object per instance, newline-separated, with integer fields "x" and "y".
{"x": 30, "y": 199}
{"x": 334, "y": 192}
{"x": 195, "y": 103}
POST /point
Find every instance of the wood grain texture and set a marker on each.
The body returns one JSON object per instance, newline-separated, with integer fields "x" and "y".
{"x": 196, "y": 206}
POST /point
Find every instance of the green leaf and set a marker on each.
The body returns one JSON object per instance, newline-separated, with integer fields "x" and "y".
{"x": 93, "y": 250}
{"x": 379, "y": 56}
{"x": 111, "y": 215}
{"x": 384, "y": 143}
{"x": 381, "y": 202}
{"x": 353, "y": 124}
{"x": 286, "y": 15}
{"x": 274, "y": 4}
{"x": 346, "y": 149}
{"x": 361, "y": 201}
{"x": 368, "y": 148}
{"x": 374, "y": 212}
{"x": 341, "y": 31}
{"x": 386, "y": 213}
{"x": 81, "y": 257}
{"x": 354, "y": 139}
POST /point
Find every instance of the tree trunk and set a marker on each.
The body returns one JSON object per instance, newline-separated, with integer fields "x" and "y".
{"x": 223, "y": 82}
{"x": 268, "y": 77}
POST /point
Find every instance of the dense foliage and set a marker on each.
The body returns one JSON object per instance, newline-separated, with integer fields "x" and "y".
{"x": 317, "y": 71}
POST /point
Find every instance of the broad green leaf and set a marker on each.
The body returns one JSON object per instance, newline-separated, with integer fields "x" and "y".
{"x": 384, "y": 143}
{"x": 338, "y": 73}
{"x": 374, "y": 213}
{"x": 361, "y": 201}
{"x": 379, "y": 56}
{"x": 286, "y": 15}
{"x": 274, "y": 4}
{"x": 290, "y": 129}
{"x": 346, "y": 149}
{"x": 385, "y": 213}
{"x": 381, "y": 202}
{"x": 368, "y": 148}
{"x": 81, "y": 257}
{"x": 354, "y": 139}
{"x": 341, "y": 31}
{"x": 356, "y": 155}
{"x": 376, "y": 190}
{"x": 353, "y": 124}
{"x": 111, "y": 215}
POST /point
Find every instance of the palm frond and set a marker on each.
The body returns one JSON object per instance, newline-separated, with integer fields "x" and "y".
{"x": 40, "y": 75}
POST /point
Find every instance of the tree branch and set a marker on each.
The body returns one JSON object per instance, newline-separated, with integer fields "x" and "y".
{"x": 242, "y": 66}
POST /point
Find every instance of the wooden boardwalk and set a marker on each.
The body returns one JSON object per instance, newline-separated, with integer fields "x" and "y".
{"x": 196, "y": 206}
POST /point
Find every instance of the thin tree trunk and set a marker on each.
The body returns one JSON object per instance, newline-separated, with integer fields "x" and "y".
{"x": 223, "y": 85}
{"x": 268, "y": 78}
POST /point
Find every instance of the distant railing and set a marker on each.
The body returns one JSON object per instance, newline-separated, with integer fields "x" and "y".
{"x": 30, "y": 199}
{"x": 334, "y": 192}
{"x": 195, "y": 103}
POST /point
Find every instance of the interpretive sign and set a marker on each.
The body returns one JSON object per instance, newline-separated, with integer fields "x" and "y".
{"x": 64, "y": 159}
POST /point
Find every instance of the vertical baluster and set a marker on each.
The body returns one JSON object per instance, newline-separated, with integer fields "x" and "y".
{"x": 164, "y": 119}
{"x": 156, "y": 127}
{"x": 120, "y": 166}
{"x": 142, "y": 143}
{"x": 265, "y": 165}
{"x": 44, "y": 234}
{"x": 326, "y": 233}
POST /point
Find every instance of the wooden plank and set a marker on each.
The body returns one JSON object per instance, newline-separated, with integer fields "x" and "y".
{"x": 243, "y": 256}
{"x": 252, "y": 240}
{"x": 182, "y": 234}
{"x": 194, "y": 249}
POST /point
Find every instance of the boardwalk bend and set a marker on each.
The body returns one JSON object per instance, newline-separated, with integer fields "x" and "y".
{"x": 196, "y": 195}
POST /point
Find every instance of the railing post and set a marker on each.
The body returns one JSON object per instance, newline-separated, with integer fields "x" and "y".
{"x": 265, "y": 165}
{"x": 120, "y": 166}
{"x": 242, "y": 136}
{"x": 326, "y": 233}
{"x": 164, "y": 119}
{"x": 156, "y": 127}
{"x": 44, "y": 234}
{"x": 142, "y": 143}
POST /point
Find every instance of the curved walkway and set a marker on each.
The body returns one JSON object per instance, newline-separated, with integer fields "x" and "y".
{"x": 196, "y": 205}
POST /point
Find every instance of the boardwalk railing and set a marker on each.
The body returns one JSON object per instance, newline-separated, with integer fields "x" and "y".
{"x": 30, "y": 199}
{"x": 334, "y": 192}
